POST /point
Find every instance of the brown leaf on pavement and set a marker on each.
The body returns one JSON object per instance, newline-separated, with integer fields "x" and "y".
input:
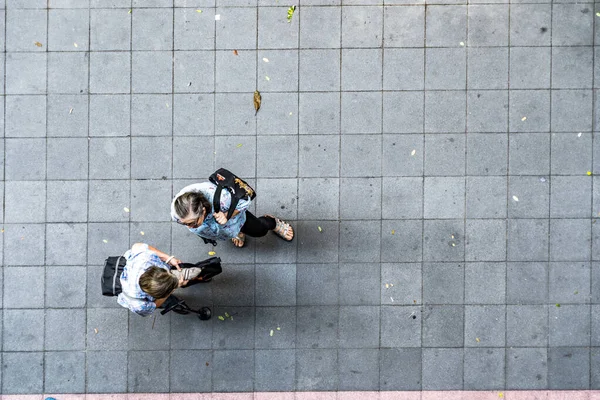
{"x": 257, "y": 100}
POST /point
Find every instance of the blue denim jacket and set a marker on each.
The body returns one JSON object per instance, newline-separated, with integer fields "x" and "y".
{"x": 210, "y": 228}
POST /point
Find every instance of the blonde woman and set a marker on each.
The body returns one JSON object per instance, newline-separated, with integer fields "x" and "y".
{"x": 147, "y": 280}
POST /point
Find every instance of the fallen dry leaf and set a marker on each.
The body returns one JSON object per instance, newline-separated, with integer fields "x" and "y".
{"x": 211, "y": 253}
{"x": 235, "y": 52}
{"x": 38, "y": 44}
{"x": 589, "y": 173}
{"x": 199, "y": 11}
{"x": 96, "y": 330}
{"x": 257, "y": 101}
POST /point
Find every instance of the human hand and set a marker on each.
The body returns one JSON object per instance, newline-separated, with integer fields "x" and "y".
{"x": 182, "y": 282}
{"x": 175, "y": 263}
{"x": 220, "y": 218}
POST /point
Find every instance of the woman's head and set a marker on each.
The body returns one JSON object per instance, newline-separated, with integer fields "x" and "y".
{"x": 158, "y": 282}
{"x": 189, "y": 208}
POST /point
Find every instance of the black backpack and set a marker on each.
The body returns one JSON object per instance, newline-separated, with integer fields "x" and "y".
{"x": 237, "y": 187}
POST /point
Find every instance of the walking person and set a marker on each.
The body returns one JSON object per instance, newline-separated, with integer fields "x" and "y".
{"x": 147, "y": 280}
{"x": 194, "y": 207}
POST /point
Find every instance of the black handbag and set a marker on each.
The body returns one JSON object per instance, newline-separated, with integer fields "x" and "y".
{"x": 111, "y": 276}
{"x": 237, "y": 187}
{"x": 210, "y": 267}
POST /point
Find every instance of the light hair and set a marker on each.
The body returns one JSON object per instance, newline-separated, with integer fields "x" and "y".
{"x": 191, "y": 205}
{"x": 158, "y": 282}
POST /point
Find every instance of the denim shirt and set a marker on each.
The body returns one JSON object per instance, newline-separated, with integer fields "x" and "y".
{"x": 132, "y": 296}
{"x": 210, "y": 228}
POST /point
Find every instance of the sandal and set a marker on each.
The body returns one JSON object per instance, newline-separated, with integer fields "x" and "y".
{"x": 282, "y": 229}
{"x": 239, "y": 241}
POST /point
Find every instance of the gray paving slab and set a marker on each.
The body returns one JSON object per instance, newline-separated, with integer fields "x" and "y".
{"x": 148, "y": 371}
{"x": 403, "y": 112}
{"x": 63, "y": 372}
{"x": 442, "y": 368}
{"x": 444, "y": 155}
{"x": 68, "y": 30}
{"x": 101, "y": 376}
{"x": 75, "y": 107}
{"x": 358, "y": 363}
{"x": 15, "y": 365}
{"x": 62, "y": 293}
{"x": 65, "y": 330}
{"x": 484, "y": 367}
{"x": 487, "y": 67}
{"x": 17, "y": 291}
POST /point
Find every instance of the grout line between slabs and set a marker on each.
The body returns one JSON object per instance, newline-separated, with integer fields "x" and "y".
{"x": 549, "y": 204}
{"x": 87, "y": 223}
{"x": 464, "y": 244}
{"x": 422, "y": 305}
{"x": 45, "y": 247}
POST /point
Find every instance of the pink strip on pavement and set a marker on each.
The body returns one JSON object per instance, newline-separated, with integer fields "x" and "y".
{"x": 391, "y": 395}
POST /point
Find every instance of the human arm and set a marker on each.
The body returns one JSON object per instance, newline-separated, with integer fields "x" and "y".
{"x": 159, "y": 302}
{"x": 242, "y": 206}
{"x": 171, "y": 260}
